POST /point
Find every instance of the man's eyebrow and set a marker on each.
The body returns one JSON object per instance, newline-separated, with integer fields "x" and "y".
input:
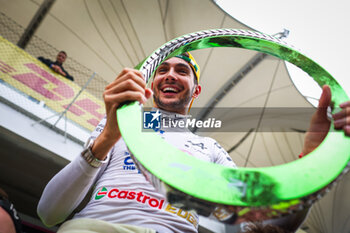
{"x": 164, "y": 63}
{"x": 183, "y": 65}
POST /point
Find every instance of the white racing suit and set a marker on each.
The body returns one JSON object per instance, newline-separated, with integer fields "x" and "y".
{"x": 121, "y": 193}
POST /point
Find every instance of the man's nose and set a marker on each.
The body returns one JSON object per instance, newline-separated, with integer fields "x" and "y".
{"x": 171, "y": 75}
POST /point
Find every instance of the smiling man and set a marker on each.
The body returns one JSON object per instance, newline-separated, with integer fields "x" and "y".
{"x": 176, "y": 84}
{"x": 122, "y": 199}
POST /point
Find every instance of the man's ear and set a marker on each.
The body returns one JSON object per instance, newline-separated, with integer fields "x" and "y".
{"x": 197, "y": 91}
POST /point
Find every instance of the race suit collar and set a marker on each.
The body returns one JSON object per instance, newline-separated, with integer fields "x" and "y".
{"x": 172, "y": 117}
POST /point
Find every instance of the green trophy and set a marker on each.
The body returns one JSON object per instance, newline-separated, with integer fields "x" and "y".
{"x": 190, "y": 183}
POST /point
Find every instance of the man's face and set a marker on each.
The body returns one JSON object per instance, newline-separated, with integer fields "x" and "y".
{"x": 173, "y": 86}
{"x": 61, "y": 57}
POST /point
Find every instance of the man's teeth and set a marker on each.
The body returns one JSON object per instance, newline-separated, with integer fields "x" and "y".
{"x": 169, "y": 89}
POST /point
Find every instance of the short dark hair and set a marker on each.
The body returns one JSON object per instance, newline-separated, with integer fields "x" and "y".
{"x": 194, "y": 73}
{"x": 63, "y": 52}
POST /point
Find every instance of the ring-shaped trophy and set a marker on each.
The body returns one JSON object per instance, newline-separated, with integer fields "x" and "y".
{"x": 231, "y": 193}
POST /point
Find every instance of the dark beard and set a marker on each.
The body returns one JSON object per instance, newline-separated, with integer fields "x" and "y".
{"x": 178, "y": 105}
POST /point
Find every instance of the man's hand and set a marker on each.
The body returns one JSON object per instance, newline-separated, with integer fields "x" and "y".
{"x": 58, "y": 69}
{"x": 342, "y": 118}
{"x": 128, "y": 86}
{"x": 319, "y": 125}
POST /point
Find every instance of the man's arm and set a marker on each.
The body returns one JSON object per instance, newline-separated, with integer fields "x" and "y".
{"x": 47, "y": 62}
{"x": 58, "y": 69}
{"x": 70, "y": 77}
{"x": 128, "y": 86}
{"x": 65, "y": 191}
{"x": 69, "y": 187}
{"x": 64, "y": 73}
{"x": 319, "y": 124}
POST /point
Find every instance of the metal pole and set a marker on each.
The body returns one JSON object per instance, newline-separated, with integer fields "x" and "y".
{"x": 34, "y": 23}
